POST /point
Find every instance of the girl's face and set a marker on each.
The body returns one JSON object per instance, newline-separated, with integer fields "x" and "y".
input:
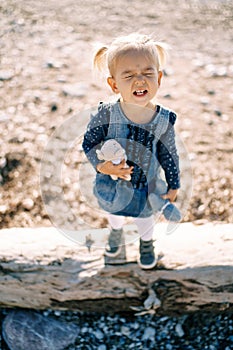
{"x": 136, "y": 78}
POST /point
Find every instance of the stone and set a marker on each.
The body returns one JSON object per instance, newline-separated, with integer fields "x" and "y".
{"x": 149, "y": 333}
{"x": 3, "y": 117}
{"x": 3, "y": 207}
{"x": 218, "y": 112}
{"x": 51, "y": 63}
{"x": 6, "y": 75}
{"x": 216, "y": 70}
{"x": 102, "y": 347}
{"x": 75, "y": 90}
{"x": 179, "y": 330}
{"x": 53, "y": 107}
{"x": 23, "y": 329}
{"x": 28, "y": 203}
{"x": 98, "y": 334}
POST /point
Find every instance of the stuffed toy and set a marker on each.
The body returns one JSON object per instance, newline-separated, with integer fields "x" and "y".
{"x": 164, "y": 206}
{"x": 112, "y": 151}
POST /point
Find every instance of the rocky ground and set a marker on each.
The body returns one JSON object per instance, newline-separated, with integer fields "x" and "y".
{"x": 123, "y": 332}
{"x": 46, "y": 77}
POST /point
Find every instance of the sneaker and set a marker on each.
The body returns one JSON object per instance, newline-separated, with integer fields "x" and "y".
{"x": 147, "y": 259}
{"x": 113, "y": 248}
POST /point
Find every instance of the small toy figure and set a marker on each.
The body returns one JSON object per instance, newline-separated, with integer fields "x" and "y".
{"x": 164, "y": 206}
{"x": 112, "y": 151}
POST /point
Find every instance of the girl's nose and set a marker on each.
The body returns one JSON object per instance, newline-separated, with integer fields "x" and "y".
{"x": 140, "y": 80}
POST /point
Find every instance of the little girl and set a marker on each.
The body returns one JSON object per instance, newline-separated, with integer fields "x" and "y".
{"x": 145, "y": 130}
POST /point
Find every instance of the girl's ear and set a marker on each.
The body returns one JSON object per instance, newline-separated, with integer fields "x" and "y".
{"x": 160, "y": 75}
{"x": 112, "y": 83}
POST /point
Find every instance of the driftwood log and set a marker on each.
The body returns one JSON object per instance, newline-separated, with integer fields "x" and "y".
{"x": 41, "y": 268}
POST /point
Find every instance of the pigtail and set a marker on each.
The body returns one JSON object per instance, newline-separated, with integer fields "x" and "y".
{"x": 100, "y": 59}
{"x": 162, "y": 50}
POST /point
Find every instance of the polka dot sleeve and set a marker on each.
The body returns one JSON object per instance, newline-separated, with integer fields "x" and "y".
{"x": 95, "y": 134}
{"x": 168, "y": 156}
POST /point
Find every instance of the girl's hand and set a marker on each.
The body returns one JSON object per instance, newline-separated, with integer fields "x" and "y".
{"x": 171, "y": 195}
{"x": 108, "y": 168}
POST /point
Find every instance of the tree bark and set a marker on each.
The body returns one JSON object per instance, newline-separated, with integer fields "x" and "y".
{"x": 40, "y": 268}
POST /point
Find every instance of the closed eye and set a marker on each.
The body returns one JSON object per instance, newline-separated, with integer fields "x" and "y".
{"x": 149, "y": 74}
{"x": 145, "y": 74}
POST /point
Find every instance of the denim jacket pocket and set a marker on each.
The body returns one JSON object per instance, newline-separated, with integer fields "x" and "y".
{"x": 112, "y": 195}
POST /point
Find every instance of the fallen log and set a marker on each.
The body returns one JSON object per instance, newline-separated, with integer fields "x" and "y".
{"x": 41, "y": 268}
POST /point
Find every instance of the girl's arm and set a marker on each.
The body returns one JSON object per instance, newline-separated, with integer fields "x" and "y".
{"x": 95, "y": 134}
{"x": 171, "y": 195}
{"x": 169, "y": 159}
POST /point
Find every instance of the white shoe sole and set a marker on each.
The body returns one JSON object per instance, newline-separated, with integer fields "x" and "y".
{"x": 147, "y": 267}
{"x": 113, "y": 255}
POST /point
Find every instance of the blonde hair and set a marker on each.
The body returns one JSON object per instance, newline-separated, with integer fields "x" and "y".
{"x": 106, "y": 57}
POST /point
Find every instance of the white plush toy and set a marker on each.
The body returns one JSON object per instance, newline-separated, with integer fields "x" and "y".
{"x": 114, "y": 152}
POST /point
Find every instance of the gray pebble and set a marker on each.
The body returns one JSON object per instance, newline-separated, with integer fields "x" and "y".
{"x": 169, "y": 347}
{"x": 98, "y": 334}
{"x": 216, "y": 71}
{"x": 6, "y": 75}
{"x": 204, "y": 101}
{"x": 218, "y": 112}
{"x": 102, "y": 347}
{"x": 75, "y": 90}
{"x": 168, "y": 96}
{"x": 212, "y": 347}
{"x": 179, "y": 330}
{"x": 3, "y": 117}
{"x": 28, "y": 204}
{"x": 149, "y": 333}
{"x": 125, "y": 330}
{"x": 53, "y": 64}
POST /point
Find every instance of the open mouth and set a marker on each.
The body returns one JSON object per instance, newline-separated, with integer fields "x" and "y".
{"x": 140, "y": 92}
